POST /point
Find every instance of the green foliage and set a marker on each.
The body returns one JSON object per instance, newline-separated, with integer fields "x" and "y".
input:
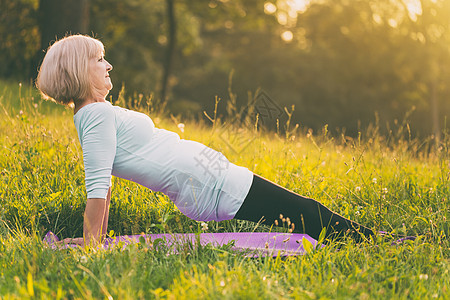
{"x": 347, "y": 60}
{"x": 392, "y": 183}
{"x": 20, "y": 38}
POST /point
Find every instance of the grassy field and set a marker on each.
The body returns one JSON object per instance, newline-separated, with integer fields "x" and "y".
{"x": 391, "y": 183}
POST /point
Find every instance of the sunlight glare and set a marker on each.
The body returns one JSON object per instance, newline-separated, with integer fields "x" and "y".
{"x": 282, "y": 18}
{"x": 377, "y": 18}
{"x": 414, "y": 8}
{"x": 269, "y": 8}
{"x": 299, "y": 6}
{"x": 393, "y": 23}
{"x": 287, "y": 11}
{"x": 287, "y": 36}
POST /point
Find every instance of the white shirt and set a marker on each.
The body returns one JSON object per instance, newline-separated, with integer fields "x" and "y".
{"x": 201, "y": 182}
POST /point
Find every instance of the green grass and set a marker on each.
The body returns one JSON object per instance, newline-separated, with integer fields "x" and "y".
{"x": 392, "y": 183}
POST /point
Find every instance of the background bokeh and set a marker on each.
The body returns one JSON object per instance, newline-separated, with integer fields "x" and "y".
{"x": 345, "y": 63}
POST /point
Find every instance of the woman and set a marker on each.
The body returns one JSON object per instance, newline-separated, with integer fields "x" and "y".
{"x": 202, "y": 183}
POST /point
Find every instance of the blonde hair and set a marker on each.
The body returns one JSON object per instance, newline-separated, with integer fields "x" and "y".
{"x": 63, "y": 76}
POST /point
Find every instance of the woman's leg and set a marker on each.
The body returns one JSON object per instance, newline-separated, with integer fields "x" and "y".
{"x": 267, "y": 200}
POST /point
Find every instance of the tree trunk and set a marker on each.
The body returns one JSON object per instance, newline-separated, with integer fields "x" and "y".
{"x": 170, "y": 49}
{"x": 434, "y": 105}
{"x": 58, "y": 18}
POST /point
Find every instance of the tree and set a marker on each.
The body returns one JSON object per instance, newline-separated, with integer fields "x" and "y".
{"x": 20, "y": 38}
{"x": 57, "y": 18}
{"x": 338, "y": 61}
{"x": 432, "y": 31}
{"x": 171, "y": 20}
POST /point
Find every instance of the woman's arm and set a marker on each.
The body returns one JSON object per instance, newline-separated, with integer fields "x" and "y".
{"x": 96, "y": 219}
{"x": 106, "y": 216}
{"x": 97, "y": 133}
{"x": 95, "y": 222}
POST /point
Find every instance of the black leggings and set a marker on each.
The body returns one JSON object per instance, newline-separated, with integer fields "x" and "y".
{"x": 267, "y": 200}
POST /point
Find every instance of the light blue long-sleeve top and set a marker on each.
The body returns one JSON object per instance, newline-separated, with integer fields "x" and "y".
{"x": 201, "y": 182}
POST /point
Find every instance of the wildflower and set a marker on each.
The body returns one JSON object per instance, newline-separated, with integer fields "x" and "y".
{"x": 385, "y": 190}
{"x": 21, "y": 112}
{"x": 181, "y": 127}
{"x": 358, "y": 188}
{"x": 374, "y": 180}
{"x": 83, "y": 259}
{"x": 35, "y": 105}
{"x": 204, "y": 226}
{"x": 222, "y": 283}
{"x": 423, "y": 276}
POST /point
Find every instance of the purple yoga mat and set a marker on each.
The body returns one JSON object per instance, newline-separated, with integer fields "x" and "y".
{"x": 251, "y": 243}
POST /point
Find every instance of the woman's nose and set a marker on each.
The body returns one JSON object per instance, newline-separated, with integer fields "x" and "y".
{"x": 109, "y": 67}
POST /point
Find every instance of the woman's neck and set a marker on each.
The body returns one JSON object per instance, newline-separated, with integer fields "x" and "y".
{"x": 81, "y": 103}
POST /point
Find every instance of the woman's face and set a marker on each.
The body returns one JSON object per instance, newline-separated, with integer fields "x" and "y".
{"x": 98, "y": 74}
